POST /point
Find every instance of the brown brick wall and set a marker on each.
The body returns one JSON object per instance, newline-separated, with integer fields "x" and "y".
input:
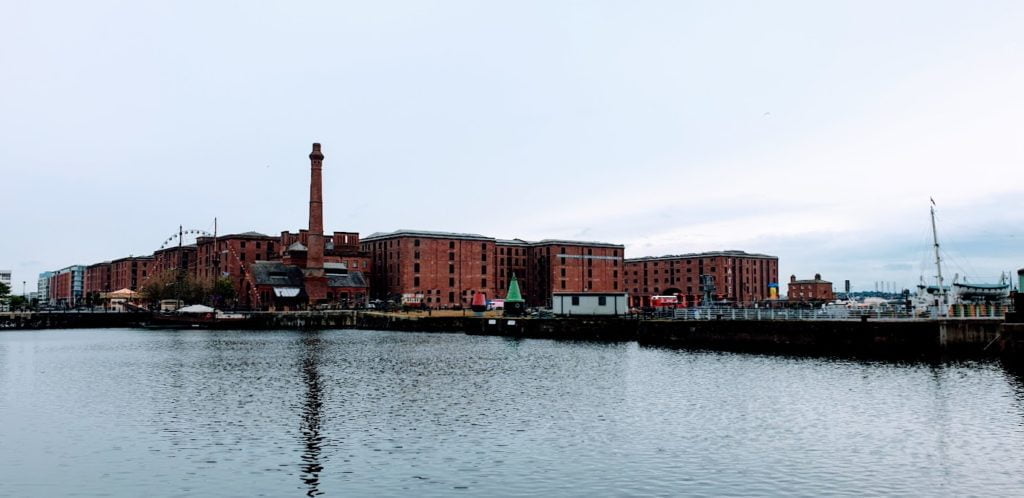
{"x": 739, "y": 279}
{"x": 97, "y": 278}
{"x": 130, "y": 273}
{"x": 449, "y": 271}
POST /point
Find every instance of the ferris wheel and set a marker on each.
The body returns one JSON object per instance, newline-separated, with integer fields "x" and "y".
{"x": 185, "y": 237}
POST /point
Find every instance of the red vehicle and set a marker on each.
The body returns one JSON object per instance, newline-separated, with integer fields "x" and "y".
{"x": 667, "y": 302}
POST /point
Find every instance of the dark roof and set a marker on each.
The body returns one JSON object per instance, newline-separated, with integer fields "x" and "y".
{"x": 350, "y": 279}
{"x": 559, "y": 242}
{"x": 276, "y": 274}
{"x": 473, "y": 236}
{"x": 247, "y": 235}
{"x": 424, "y": 234}
{"x": 128, "y": 258}
{"x": 707, "y": 254}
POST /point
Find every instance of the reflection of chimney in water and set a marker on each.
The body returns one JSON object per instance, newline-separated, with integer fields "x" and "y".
{"x": 312, "y": 417}
{"x": 315, "y": 261}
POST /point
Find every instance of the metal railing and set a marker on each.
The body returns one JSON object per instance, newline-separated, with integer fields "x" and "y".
{"x": 810, "y": 314}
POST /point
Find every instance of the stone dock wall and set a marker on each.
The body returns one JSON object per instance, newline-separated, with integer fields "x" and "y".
{"x": 904, "y": 338}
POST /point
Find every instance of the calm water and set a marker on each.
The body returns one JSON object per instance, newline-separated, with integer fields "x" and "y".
{"x": 200, "y": 413}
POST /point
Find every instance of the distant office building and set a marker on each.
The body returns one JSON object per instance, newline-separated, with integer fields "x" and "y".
{"x": 5, "y": 278}
{"x": 816, "y": 290}
{"x": 738, "y": 277}
{"x": 43, "y": 288}
{"x": 445, "y": 269}
{"x": 67, "y": 286}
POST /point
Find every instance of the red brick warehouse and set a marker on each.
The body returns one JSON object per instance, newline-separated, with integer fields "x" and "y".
{"x": 740, "y": 278}
{"x": 448, "y": 269}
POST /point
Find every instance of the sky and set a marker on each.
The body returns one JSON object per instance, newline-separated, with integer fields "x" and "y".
{"x": 814, "y": 131}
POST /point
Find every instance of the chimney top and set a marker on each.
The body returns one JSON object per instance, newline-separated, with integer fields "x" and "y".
{"x": 316, "y": 154}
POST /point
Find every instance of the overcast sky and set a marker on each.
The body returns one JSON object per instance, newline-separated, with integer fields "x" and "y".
{"x": 814, "y": 131}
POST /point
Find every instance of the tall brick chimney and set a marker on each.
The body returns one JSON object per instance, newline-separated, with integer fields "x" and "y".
{"x": 316, "y": 281}
{"x": 316, "y": 210}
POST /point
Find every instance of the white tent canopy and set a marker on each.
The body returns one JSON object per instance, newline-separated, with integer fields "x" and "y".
{"x": 196, "y": 308}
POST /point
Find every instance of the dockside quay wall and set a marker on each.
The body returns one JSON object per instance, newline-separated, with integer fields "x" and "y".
{"x": 896, "y": 338}
{"x": 72, "y": 320}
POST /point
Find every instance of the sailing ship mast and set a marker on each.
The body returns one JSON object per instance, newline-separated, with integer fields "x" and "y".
{"x": 943, "y": 304}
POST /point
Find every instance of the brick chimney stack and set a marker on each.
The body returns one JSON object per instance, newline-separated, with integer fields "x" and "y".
{"x": 316, "y": 281}
{"x": 316, "y": 212}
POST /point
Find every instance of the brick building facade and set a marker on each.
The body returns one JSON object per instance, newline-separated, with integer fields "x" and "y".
{"x": 339, "y": 247}
{"x": 447, "y": 269}
{"x": 175, "y": 258}
{"x": 230, "y": 256}
{"x": 130, "y": 273}
{"x": 816, "y": 290}
{"x": 740, "y": 278}
{"x": 66, "y": 286}
{"x": 97, "y": 278}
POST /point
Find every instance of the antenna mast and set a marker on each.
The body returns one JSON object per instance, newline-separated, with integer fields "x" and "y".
{"x": 938, "y": 263}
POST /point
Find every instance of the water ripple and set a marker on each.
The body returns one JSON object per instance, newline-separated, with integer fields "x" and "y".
{"x": 184, "y": 413}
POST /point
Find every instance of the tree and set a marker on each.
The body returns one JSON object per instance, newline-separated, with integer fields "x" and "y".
{"x": 222, "y": 291}
{"x": 4, "y": 290}
{"x": 19, "y": 302}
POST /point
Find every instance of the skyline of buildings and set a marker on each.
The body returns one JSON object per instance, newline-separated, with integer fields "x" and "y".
{"x": 424, "y": 268}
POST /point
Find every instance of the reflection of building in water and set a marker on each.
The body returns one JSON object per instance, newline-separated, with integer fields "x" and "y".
{"x": 312, "y": 417}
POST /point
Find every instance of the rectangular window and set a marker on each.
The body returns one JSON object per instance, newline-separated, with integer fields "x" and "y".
{"x": 483, "y": 257}
{"x": 451, "y": 244}
{"x": 257, "y": 244}
{"x": 416, "y": 242}
{"x": 416, "y": 267}
{"x": 416, "y": 281}
{"x": 483, "y": 269}
{"x": 602, "y": 300}
{"x": 451, "y": 297}
{"x": 483, "y": 283}
{"x": 563, "y": 272}
{"x": 615, "y": 285}
{"x": 563, "y": 284}
{"x": 451, "y": 256}
{"x": 416, "y": 255}
{"x": 451, "y": 269}
{"x": 451, "y": 282}
{"x": 575, "y": 300}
